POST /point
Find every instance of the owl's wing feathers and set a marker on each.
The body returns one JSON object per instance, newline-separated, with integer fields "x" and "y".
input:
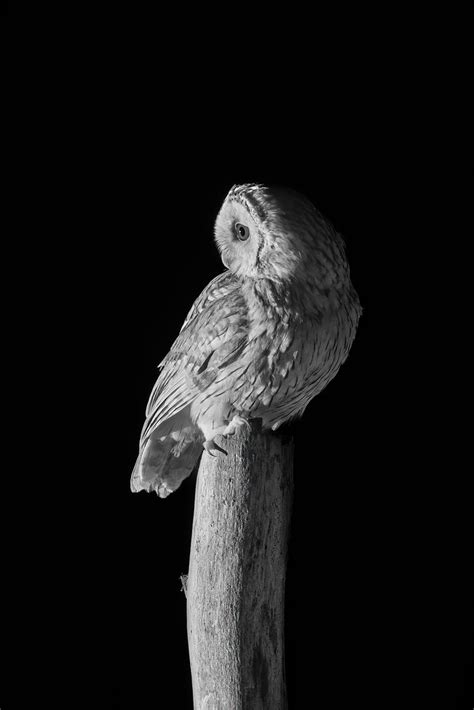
{"x": 214, "y": 336}
{"x": 220, "y": 286}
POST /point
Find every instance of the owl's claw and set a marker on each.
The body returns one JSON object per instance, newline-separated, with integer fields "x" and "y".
{"x": 210, "y": 446}
{"x": 237, "y": 423}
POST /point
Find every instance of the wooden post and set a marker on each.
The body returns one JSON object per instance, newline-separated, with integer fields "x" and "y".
{"x": 236, "y": 581}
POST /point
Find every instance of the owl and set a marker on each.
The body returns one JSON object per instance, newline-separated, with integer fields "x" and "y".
{"x": 262, "y": 339}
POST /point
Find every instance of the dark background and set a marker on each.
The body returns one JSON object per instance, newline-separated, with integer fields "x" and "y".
{"x": 126, "y": 175}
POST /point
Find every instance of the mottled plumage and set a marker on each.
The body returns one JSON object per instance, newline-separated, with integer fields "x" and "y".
{"x": 262, "y": 339}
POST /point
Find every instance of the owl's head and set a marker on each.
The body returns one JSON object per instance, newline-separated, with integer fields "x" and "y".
{"x": 276, "y": 233}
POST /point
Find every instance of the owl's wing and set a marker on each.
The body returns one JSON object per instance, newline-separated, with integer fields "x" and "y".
{"x": 213, "y": 336}
{"x": 219, "y": 287}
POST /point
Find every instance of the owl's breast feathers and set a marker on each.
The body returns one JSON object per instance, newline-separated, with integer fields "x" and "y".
{"x": 261, "y": 348}
{"x": 298, "y": 339}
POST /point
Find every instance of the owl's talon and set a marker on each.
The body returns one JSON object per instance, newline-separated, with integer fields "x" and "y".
{"x": 210, "y": 446}
{"x": 238, "y": 422}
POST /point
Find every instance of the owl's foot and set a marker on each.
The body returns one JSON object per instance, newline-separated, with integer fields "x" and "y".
{"x": 237, "y": 422}
{"x": 210, "y": 446}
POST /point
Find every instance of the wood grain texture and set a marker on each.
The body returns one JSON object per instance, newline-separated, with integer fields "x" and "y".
{"x": 236, "y": 582}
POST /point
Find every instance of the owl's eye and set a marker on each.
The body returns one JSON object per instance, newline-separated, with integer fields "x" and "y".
{"x": 241, "y": 231}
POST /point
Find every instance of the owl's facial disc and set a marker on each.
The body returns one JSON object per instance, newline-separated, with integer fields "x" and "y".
{"x": 237, "y": 238}
{"x": 240, "y": 233}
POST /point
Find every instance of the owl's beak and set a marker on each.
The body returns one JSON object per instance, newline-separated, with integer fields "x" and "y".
{"x": 226, "y": 260}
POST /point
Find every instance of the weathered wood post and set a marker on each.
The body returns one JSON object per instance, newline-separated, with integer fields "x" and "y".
{"x": 236, "y": 581}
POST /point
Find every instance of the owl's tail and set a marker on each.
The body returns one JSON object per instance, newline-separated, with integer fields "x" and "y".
{"x": 164, "y": 463}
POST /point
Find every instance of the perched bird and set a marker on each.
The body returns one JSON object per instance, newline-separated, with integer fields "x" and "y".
{"x": 263, "y": 338}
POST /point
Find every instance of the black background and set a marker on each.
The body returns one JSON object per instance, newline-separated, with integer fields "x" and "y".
{"x": 126, "y": 175}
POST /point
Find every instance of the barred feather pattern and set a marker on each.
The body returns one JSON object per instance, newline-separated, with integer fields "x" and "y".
{"x": 263, "y": 338}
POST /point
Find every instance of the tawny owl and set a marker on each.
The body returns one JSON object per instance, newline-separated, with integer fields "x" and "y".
{"x": 262, "y": 339}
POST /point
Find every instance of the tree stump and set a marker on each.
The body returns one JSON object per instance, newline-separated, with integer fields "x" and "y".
{"x": 236, "y": 582}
